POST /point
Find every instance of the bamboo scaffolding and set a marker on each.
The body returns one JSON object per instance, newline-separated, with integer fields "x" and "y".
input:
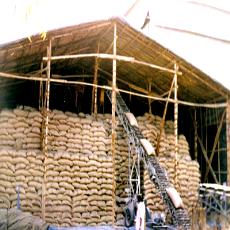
{"x": 62, "y": 81}
{"x": 111, "y": 56}
{"x": 175, "y": 121}
{"x": 47, "y": 97}
{"x": 114, "y": 88}
{"x": 215, "y": 144}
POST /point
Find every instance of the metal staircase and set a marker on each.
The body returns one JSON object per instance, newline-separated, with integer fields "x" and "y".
{"x": 156, "y": 173}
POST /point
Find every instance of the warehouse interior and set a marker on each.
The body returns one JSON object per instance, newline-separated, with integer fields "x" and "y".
{"x": 146, "y": 89}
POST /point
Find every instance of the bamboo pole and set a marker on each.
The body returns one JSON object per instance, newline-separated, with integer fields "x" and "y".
{"x": 228, "y": 141}
{"x": 47, "y": 95}
{"x": 215, "y": 144}
{"x": 163, "y": 118}
{"x": 41, "y": 90}
{"x": 219, "y": 170}
{"x": 195, "y": 136}
{"x": 111, "y": 56}
{"x": 175, "y": 121}
{"x": 95, "y": 82}
{"x": 63, "y": 81}
{"x": 113, "y": 114}
{"x": 149, "y": 100}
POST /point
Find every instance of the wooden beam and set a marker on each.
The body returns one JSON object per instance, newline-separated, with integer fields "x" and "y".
{"x": 215, "y": 143}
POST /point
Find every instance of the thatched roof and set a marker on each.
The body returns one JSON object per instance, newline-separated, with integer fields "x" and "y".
{"x": 25, "y": 57}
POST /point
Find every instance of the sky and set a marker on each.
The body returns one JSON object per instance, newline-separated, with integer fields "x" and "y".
{"x": 20, "y": 19}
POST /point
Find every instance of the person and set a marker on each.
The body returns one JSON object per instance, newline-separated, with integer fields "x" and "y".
{"x": 140, "y": 216}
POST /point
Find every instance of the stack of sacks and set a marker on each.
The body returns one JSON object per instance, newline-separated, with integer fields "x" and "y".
{"x": 152, "y": 195}
{"x": 98, "y": 140}
{"x": 7, "y": 178}
{"x": 35, "y": 169}
{"x": 169, "y": 127}
{"x": 93, "y": 190}
{"x": 121, "y": 165}
{"x": 182, "y": 181}
{"x": 158, "y": 121}
{"x": 183, "y": 147}
{"x": 171, "y": 145}
{"x": 93, "y": 175}
{"x": 163, "y": 146}
{"x": 25, "y": 172}
{"x": 58, "y": 128}
{"x": 194, "y": 181}
{"x": 74, "y": 134}
{"x": 121, "y": 172}
{"x": 106, "y": 190}
{"x": 147, "y": 127}
{"x": 170, "y": 169}
{"x": 80, "y": 180}
{"x": 59, "y": 189}
{"x": 20, "y": 129}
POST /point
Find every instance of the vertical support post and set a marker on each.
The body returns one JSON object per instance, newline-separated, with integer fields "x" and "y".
{"x": 41, "y": 96}
{"x": 113, "y": 112}
{"x": 46, "y": 109}
{"x": 95, "y": 81}
{"x": 149, "y": 99}
{"x": 195, "y": 136}
{"x": 175, "y": 121}
{"x": 228, "y": 141}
